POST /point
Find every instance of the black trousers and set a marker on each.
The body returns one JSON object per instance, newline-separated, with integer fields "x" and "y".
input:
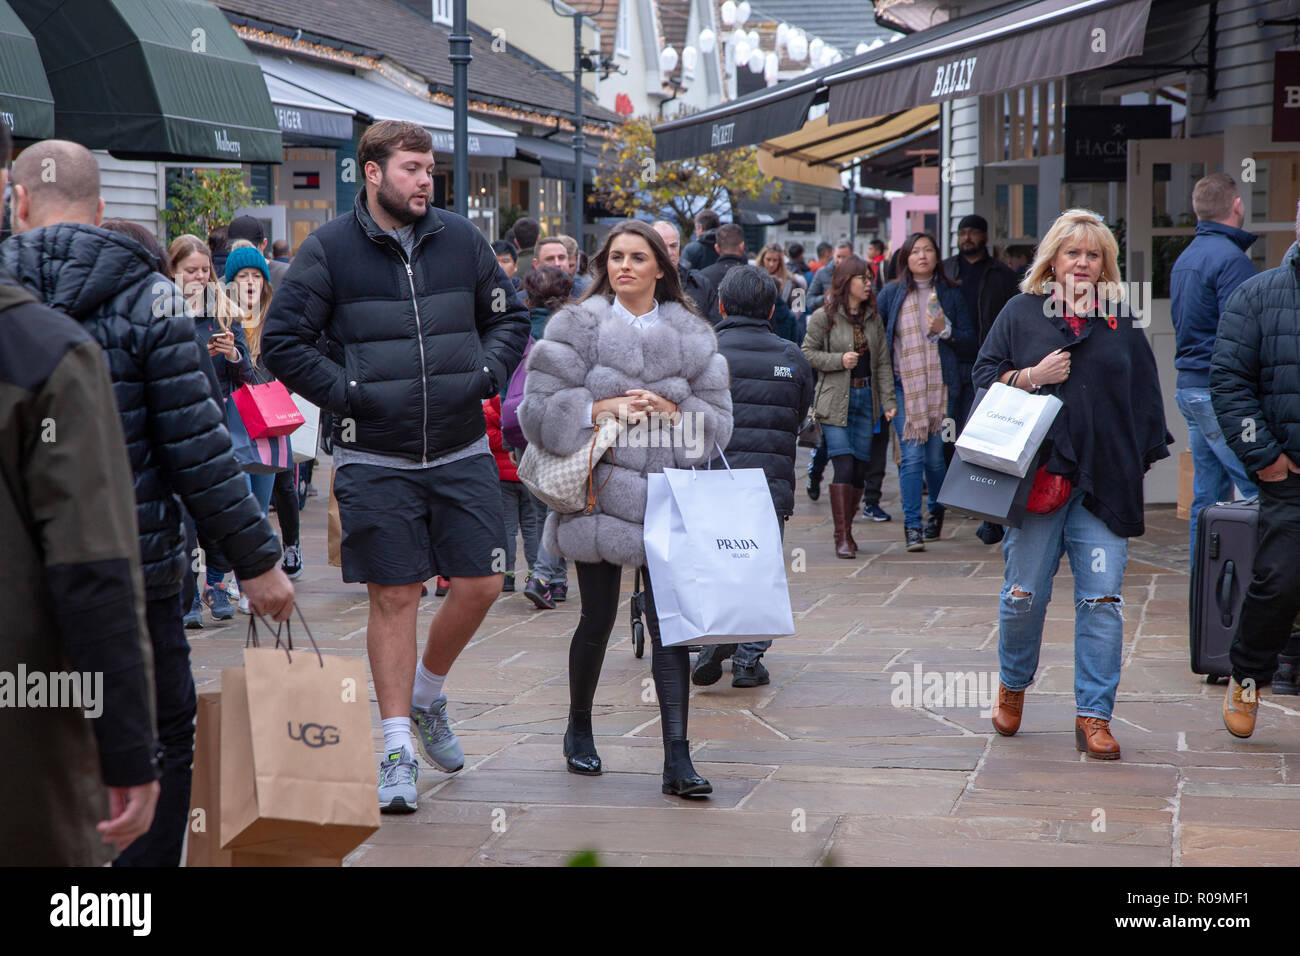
{"x": 284, "y": 492}
{"x": 598, "y": 584}
{"x": 176, "y": 705}
{"x": 1273, "y": 597}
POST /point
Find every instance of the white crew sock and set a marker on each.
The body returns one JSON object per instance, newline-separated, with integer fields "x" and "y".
{"x": 397, "y": 734}
{"x": 428, "y": 686}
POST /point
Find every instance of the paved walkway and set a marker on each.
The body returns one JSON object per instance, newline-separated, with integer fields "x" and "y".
{"x": 823, "y": 766}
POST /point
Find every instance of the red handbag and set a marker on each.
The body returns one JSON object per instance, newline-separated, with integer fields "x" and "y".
{"x": 267, "y": 411}
{"x": 1049, "y": 492}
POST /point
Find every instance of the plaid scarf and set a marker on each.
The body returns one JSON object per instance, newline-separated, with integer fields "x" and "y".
{"x": 916, "y": 363}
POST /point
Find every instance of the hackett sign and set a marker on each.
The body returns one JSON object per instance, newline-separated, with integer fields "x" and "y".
{"x": 1096, "y": 139}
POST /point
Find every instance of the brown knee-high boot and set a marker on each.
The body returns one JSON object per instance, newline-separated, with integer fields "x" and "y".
{"x": 850, "y": 511}
{"x": 842, "y": 516}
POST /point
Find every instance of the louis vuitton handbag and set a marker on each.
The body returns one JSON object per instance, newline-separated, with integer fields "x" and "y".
{"x": 565, "y": 483}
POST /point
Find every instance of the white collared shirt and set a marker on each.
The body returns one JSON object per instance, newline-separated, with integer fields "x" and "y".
{"x": 641, "y": 322}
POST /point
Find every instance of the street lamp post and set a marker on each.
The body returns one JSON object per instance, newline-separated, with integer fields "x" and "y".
{"x": 460, "y": 59}
{"x": 579, "y": 141}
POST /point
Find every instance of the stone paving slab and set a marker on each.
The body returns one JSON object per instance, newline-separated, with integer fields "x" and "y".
{"x": 820, "y": 766}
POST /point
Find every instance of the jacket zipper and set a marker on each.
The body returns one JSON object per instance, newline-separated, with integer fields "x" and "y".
{"x": 424, "y": 374}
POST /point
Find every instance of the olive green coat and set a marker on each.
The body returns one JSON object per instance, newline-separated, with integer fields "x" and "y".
{"x": 831, "y": 399}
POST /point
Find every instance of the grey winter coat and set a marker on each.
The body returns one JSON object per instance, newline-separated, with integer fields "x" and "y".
{"x": 589, "y": 354}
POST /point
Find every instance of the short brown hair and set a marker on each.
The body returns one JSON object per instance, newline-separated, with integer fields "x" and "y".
{"x": 550, "y": 241}
{"x": 1213, "y": 195}
{"x": 384, "y": 138}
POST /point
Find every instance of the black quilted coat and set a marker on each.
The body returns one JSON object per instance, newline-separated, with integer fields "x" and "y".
{"x": 175, "y": 433}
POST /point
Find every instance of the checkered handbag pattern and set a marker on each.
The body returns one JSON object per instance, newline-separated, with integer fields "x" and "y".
{"x": 564, "y": 483}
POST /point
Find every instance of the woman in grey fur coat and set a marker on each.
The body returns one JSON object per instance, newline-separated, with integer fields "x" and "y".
{"x": 633, "y": 348}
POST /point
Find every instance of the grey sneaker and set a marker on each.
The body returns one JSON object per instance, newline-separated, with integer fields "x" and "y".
{"x": 437, "y": 742}
{"x": 397, "y": 775}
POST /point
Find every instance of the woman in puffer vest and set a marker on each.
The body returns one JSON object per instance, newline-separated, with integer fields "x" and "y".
{"x": 633, "y": 348}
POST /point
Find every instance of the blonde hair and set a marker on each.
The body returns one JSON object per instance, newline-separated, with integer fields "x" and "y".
{"x": 783, "y": 274}
{"x": 225, "y": 309}
{"x": 1072, "y": 224}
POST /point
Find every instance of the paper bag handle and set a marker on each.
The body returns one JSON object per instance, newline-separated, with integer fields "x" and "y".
{"x": 709, "y": 464}
{"x": 287, "y": 644}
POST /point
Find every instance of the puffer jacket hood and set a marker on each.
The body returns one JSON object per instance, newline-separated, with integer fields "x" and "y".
{"x": 175, "y": 435}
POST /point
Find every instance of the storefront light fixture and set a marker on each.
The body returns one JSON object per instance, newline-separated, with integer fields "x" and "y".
{"x": 782, "y": 35}
{"x": 861, "y": 48}
{"x": 667, "y": 59}
{"x": 708, "y": 42}
{"x": 771, "y": 64}
{"x": 742, "y": 12}
{"x": 729, "y": 12}
{"x": 815, "y": 49}
{"x": 688, "y": 59}
{"x": 757, "y": 61}
{"x": 742, "y": 51}
{"x": 797, "y": 43}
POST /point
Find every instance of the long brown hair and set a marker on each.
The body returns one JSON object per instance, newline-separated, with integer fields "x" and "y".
{"x": 837, "y": 299}
{"x": 668, "y": 288}
{"x": 224, "y": 309}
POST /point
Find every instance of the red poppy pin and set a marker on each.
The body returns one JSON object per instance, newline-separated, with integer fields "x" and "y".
{"x": 1110, "y": 320}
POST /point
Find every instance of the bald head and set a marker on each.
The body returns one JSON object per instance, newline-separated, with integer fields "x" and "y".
{"x": 672, "y": 237}
{"x": 55, "y": 181}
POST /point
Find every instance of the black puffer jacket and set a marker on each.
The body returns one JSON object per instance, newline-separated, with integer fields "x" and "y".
{"x": 1255, "y": 372}
{"x": 411, "y": 350}
{"x": 771, "y": 389}
{"x": 175, "y": 433}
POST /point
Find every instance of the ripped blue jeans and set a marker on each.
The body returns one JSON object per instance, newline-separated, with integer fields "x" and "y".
{"x": 1097, "y": 560}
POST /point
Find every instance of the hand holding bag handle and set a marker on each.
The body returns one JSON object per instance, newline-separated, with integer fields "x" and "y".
{"x": 252, "y": 641}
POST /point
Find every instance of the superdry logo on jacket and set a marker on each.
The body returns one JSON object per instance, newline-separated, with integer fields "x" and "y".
{"x": 405, "y": 342}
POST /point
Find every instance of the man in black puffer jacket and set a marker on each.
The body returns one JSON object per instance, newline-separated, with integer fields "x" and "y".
{"x": 771, "y": 391}
{"x": 1255, "y": 390}
{"x": 176, "y": 438}
{"x": 420, "y": 325}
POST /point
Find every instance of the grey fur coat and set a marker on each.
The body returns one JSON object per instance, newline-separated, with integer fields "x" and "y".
{"x": 590, "y": 354}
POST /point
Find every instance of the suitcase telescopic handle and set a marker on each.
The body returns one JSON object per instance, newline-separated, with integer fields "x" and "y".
{"x": 1226, "y": 578}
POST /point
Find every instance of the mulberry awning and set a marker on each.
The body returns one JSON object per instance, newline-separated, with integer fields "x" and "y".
{"x": 380, "y": 100}
{"x": 153, "y": 79}
{"x": 26, "y": 105}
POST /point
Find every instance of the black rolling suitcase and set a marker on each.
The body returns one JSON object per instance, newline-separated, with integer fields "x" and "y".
{"x": 1226, "y": 539}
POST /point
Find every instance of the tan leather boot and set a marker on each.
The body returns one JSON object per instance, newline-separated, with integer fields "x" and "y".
{"x": 841, "y": 517}
{"x": 1240, "y": 708}
{"x": 1092, "y": 736}
{"x": 1006, "y": 714}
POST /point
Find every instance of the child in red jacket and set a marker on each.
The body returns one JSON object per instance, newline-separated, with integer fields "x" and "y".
{"x": 516, "y": 500}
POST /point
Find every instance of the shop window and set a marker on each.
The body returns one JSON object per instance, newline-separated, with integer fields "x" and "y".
{"x": 482, "y": 202}
{"x": 442, "y": 11}
{"x": 550, "y": 207}
{"x": 621, "y": 47}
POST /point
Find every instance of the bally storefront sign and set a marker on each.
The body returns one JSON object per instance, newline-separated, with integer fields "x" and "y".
{"x": 1286, "y": 96}
{"x": 1096, "y": 139}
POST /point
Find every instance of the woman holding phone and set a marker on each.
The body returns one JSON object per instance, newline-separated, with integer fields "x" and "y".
{"x": 218, "y": 319}
{"x": 1068, "y": 334}
{"x": 635, "y": 349}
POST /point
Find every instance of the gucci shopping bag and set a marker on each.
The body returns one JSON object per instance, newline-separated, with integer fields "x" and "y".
{"x": 1005, "y": 429}
{"x": 297, "y": 759}
{"x": 713, "y": 550}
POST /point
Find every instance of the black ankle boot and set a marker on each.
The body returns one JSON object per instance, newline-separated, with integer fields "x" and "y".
{"x": 1287, "y": 678}
{"x": 680, "y": 778}
{"x": 579, "y": 745}
{"x": 934, "y": 527}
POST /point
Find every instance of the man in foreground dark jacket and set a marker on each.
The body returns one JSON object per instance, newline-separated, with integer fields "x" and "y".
{"x": 771, "y": 390}
{"x": 420, "y": 325}
{"x": 66, "y": 460}
{"x": 175, "y": 434}
{"x": 1255, "y": 388}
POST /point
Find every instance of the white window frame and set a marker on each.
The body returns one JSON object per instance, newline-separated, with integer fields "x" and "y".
{"x": 622, "y": 28}
{"x": 442, "y": 12}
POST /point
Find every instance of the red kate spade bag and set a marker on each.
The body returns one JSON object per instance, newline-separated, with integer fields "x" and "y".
{"x": 267, "y": 411}
{"x": 1049, "y": 492}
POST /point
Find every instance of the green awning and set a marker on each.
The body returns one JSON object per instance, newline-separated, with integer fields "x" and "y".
{"x": 26, "y": 105}
{"x": 153, "y": 79}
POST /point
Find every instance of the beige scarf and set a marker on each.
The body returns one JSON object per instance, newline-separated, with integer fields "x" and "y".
{"x": 916, "y": 362}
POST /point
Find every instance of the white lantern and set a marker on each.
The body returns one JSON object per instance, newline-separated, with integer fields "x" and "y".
{"x": 782, "y": 35}
{"x": 742, "y": 51}
{"x": 667, "y": 59}
{"x": 742, "y": 12}
{"x": 771, "y": 63}
{"x": 688, "y": 59}
{"x": 708, "y": 42}
{"x": 876, "y": 44}
{"x": 756, "y": 61}
{"x": 755, "y": 40}
{"x": 861, "y": 48}
{"x": 729, "y": 12}
{"x": 815, "y": 49}
{"x": 797, "y": 44}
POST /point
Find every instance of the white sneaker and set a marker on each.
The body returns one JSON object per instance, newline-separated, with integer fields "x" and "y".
{"x": 232, "y": 589}
{"x": 244, "y": 607}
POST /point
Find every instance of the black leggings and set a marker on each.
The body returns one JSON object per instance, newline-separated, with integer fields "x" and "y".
{"x": 850, "y": 470}
{"x": 285, "y": 495}
{"x": 598, "y": 585}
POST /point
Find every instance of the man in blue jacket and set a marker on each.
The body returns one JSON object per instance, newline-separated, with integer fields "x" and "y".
{"x": 1203, "y": 278}
{"x": 1255, "y": 384}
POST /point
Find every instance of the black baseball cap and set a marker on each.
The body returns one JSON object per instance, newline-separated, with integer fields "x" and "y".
{"x": 245, "y": 227}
